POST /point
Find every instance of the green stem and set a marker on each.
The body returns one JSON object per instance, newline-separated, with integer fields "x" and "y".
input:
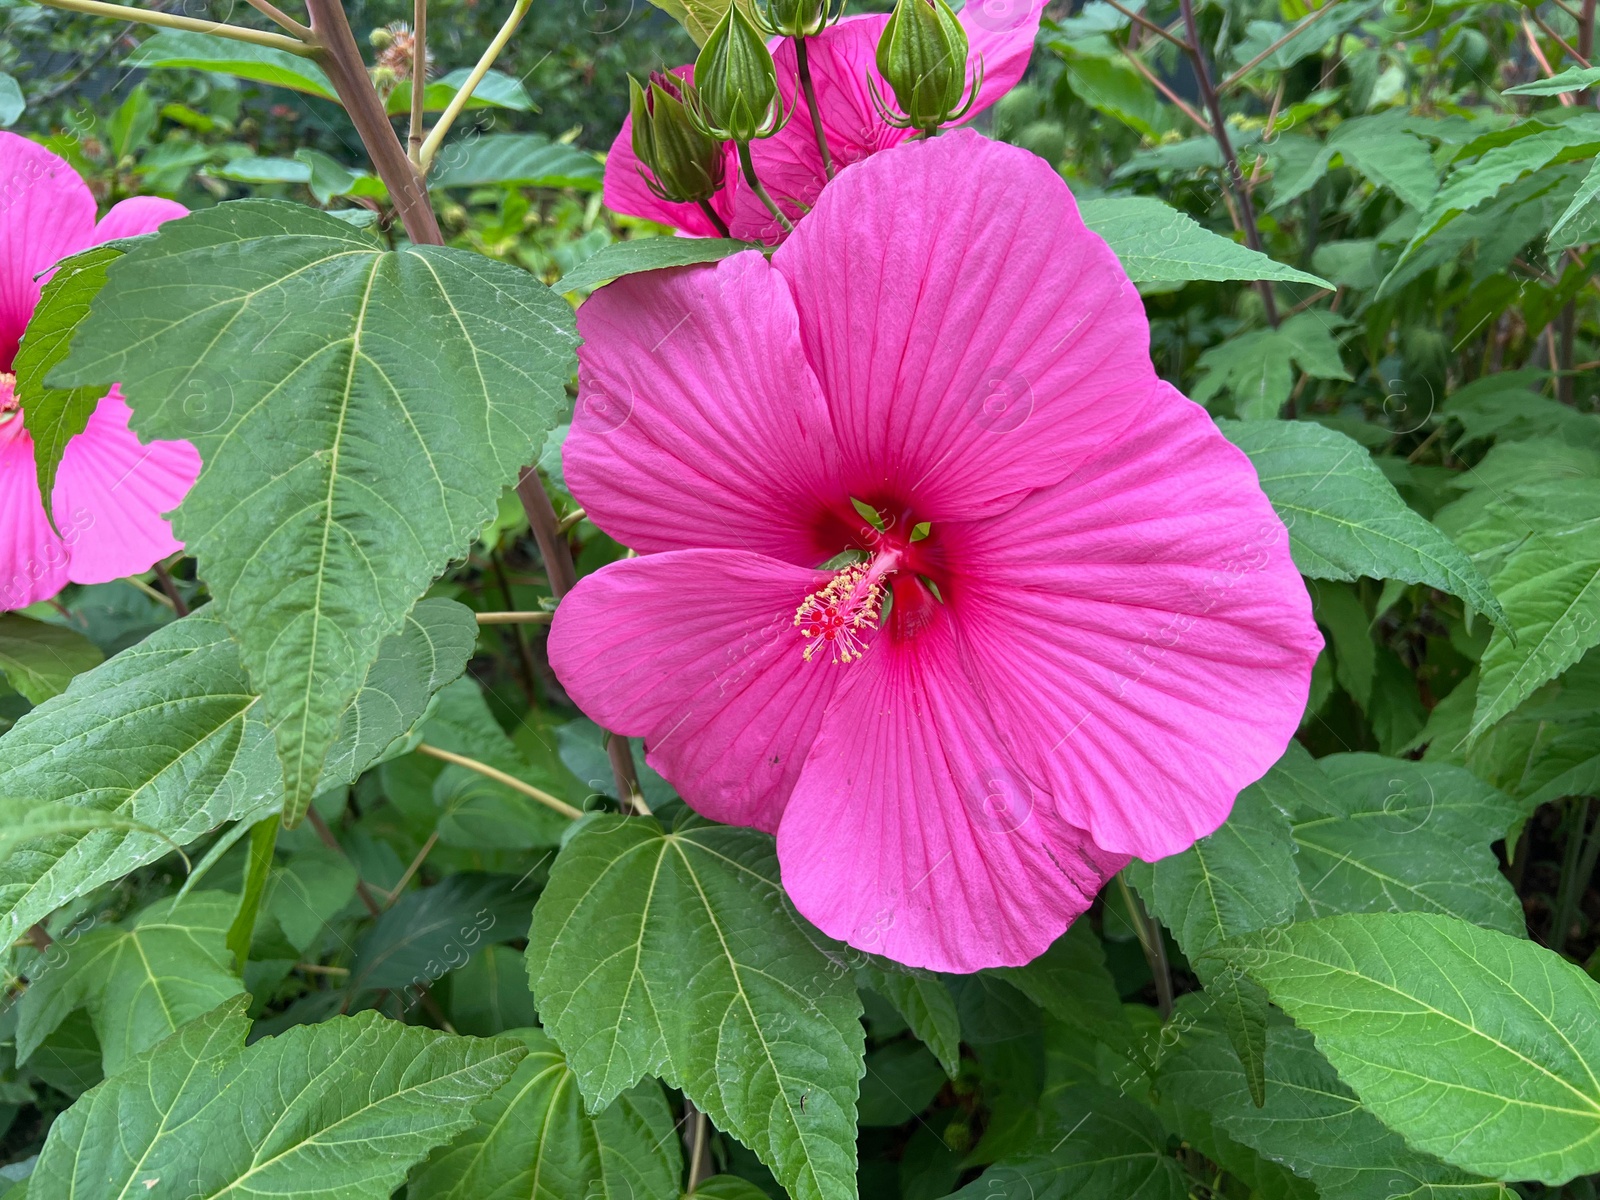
{"x": 749, "y": 166}
{"x": 263, "y": 840}
{"x": 1577, "y": 868}
{"x": 804, "y": 61}
{"x": 1155, "y": 949}
{"x": 717, "y": 222}
{"x": 430, "y": 146}
{"x": 124, "y": 12}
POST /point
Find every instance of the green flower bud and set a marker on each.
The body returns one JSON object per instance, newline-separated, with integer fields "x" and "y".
{"x": 923, "y": 56}
{"x": 735, "y": 83}
{"x": 687, "y": 164}
{"x": 798, "y": 18}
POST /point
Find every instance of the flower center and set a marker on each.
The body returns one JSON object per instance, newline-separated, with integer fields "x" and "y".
{"x": 10, "y": 406}
{"x": 835, "y": 617}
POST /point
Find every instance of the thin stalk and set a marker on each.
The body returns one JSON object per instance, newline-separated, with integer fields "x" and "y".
{"x": 699, "y": 1129}
{"x": 749, "y": 166}
{"x": 1544, "y": 63}
{"x": 563, "y": 576}
{"x": 320, "y": 828}
{"x": 263, "y": 839}
{"x": 803, "y": 60}
{"x": 510, "y": 781}
{"x": 170, "y": 587}
{"x": 275, "y": 14}
{"x": 416, "y": 865}
{"x": 1173, "y": 98}
{"x": 430, "y": 146}
{"x": 1231, "y": 81}
{"x": 570, "y": 521}
{"x": 419, "y": 77}
{"x": 341, "y": 58}
{"x": 143, "y": 16}
{"x": 530, "y": 674}
{"x": 1583, "y": 60}
{"x": 1155, "y": 950}
{"x": 1150, "y": 25}
{"x": 717, "y": 222}
{"x": 1219, "y": 130}
{"x": 515, "y": 618}
{"x": 1577, "y": 868}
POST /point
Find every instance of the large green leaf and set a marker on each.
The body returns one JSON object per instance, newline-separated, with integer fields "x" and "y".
{"x": 674, "y": 952}
{"x": 39, "y": 660}
{"x": 339, "y": 1109}
{"x": 165, "y": 736}
{"x": 523, "y": 159}
{"x": 1406, "y": 836}
{"x": 55, "y": 416}
{"x": 923, "y": 1001}
{"x": 533, "y": 1139}
{"x": 1310, "y": 1122}
{"x": 1257, "y": 368}
{"x": 646, "y": 254}
{"x": 1158, "y": 244}
{"x": 495, "y": 90}
{"x": 358, "y": 411}
{"x": 228, "y": 56}
{"x": 1097, "y": 1146}
{"x": 1345, "y": 519}
{"x": 139, "y": 979}
{"x": 1474, "y": 1046}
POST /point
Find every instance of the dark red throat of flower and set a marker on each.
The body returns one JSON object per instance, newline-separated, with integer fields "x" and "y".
{"x": 840, "y": 620}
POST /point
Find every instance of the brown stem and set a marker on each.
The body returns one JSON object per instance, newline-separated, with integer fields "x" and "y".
{"x": 170, "y": 587}
{"x": 1150, "y": 25}
{"x": 1586, "y": 29}
{"x": 1544, "y": 63}
{"x": 1155, "y": 81}
{"x": 1583, "y": 60}
{"x": 332, "y": 843}
{"x": 341, "y": 58}
{"x": 1219, "y": 130}
{"x": 275, "y": 14}
{"x": 1227, "y": 84}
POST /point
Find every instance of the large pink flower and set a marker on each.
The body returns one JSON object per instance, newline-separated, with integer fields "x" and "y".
{"x": 111, "y": 489}
{"x": 1096, "y": 636}
{"x": 843, "y": 59}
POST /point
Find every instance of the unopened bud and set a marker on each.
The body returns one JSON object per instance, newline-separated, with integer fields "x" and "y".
{"x": 798, "y": 18}
{"x": 687, "y": 164}
{"x": 735, "y": 82}
{"x": 923, "y": 56}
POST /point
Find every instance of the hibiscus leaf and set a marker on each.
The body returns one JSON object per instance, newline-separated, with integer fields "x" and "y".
{"x": 532, "y": 1138}
{"x": 39, "y": 659}
{"x": 524, "y": 159}
{"x": 675, "y": 952}
{"x": 1097, "y": 1145}
{"x": 925, "y": 1003}
{"x": 358, "y": 412}
{"x": 342, "y": 1108}
{"x": 56, "y": 415}
{"x": 1472, "y": 1045}
{"x": 227, "y": 56}
{"x": 1158, "y": 244}
{"x": 1345, "y": 520}
{"x": 646, "y": 254}
{"x": 1310, "y": 1123}
{"x": 495, "y": 90}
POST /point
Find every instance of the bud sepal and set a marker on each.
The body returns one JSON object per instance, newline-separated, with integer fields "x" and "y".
{"x": 735, "y": 92}
{"x": 922, "y": 55}
{"x": 685, "y": 164}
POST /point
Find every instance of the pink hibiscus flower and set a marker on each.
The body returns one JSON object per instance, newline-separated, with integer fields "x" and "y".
{"x": 843, "y": 60}
{"x": 111, "y": 489}
{"x": 1094, "y": 638}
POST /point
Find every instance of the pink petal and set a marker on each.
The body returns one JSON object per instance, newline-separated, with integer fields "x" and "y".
{"x": 33, "y": 564}
{"x": 626, "y": 189}
{"x": 112, "y": 491}
{"x": 140, "y": 214}
{"x": 843, "y": 60}
{"x": 1141, "y": 631}
{"x": 698, "y": 422}
{"x": 696, "y": 652}
{"x": 973, "y": 339}
{"x": 46, "y": 213}
{"x": 911, "y": 832}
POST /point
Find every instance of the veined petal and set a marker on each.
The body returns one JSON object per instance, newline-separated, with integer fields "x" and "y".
{"x": 973, "y": 339}
{"x": 137, "y": 215}
{"x": 1142, "y": 632}
{"x": 112, "y": 493}
{"x": 912, "y": 832}
{"x": 696, "y": 652}
{"x": 33, "y": 563}
{"x": 698, "y": 422}
{"x": 46, "y": 213}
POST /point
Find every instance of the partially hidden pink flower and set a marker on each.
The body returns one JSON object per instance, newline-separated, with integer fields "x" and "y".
{"x": 789, "y": 164}
{"x": 1094, "y": 638}
{"x": 111, "y": 490}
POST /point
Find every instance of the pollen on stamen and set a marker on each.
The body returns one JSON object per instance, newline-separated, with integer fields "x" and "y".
{"x": 837, "y": 615}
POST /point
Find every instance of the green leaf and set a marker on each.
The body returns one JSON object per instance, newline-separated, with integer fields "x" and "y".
{"x": 902, "y": 1079}
{"x": 921, "y": 998}
{"x": 431, "y": 931}
{"x": 353, "y": 408}
{"x": 1310, "y": 1122}
{"x": 39, "y": 659}
{"x": 165, "y": 736}
{"x": 1345, "y": 519}
{"x": 1257, "y": 368}
{"x": 228, "y": 56}
{"x": 140, "y": 979}
{"x": 307, "y": 891}
{"x": 56, "y": 416}
{"x": 676, "y": 953}
{"x": 490, "y": 994}
{"x": 727, "y": 1187}
{"x": 1158, "y": 244}
{"x": 1581, "y": 199}
{"x": 1573, "y": 79}
{"x": 342, "y": 1108}
{"x": 1100, "y": 1146}
{"x": 1379, "y": 148}
{"x": 495, "y": 90}
{"x": 532, "y": 1139}
{"x": 1070, "y": 982}
{"x": 1400, "y": 836}
{"x": 12, "y": 102}
{"x": 522, "y": 159}
{"x": 646, "y": 254}
{"x": 1472, "y": 1045}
